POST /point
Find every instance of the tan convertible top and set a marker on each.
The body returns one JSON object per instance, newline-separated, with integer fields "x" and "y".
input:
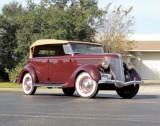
{"x": 54, "y": 41}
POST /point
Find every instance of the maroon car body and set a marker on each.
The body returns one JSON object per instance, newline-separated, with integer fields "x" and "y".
{"x": 80, "y": 66}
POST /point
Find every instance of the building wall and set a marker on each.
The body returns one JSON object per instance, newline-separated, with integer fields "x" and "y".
{"x": 147, "y": 64}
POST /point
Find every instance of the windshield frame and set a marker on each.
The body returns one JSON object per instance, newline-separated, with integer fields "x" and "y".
{"x": 89, "y": 46}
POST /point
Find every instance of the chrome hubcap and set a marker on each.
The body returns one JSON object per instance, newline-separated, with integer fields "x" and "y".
{"x": 28, "y": 83}
{"x": 87, "y": 85}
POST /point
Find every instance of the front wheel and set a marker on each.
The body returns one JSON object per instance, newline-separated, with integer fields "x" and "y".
{"x": 128, "y": 91}
{"x": 27, "y": 84}
{"x": 85, "y": 86}
{"x": 68, "y": 91}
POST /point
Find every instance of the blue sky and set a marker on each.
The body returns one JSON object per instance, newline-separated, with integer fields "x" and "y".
{"x": 146, "y": 13}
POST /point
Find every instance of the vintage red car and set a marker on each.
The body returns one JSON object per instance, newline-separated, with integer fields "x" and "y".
{"x": 80, "y": 66}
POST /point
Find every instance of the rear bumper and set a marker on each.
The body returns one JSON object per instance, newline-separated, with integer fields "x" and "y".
{"x": 15, "y": 81}
{"x": 119, "y": 83}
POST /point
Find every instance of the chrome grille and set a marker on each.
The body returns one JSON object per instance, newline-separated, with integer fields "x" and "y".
{"x": 116, "y": 66}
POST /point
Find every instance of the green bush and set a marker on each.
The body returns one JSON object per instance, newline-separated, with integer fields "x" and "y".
{"x": 15, "y": 71}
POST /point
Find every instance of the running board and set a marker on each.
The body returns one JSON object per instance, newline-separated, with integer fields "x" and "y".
{"x": 48, "y": 85}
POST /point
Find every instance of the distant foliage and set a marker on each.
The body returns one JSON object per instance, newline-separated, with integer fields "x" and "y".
{"x": 114, "y": 29}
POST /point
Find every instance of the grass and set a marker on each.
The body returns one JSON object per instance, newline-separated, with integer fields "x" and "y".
{"x": 9, "y": 85}
{"x": 13, "y": 85}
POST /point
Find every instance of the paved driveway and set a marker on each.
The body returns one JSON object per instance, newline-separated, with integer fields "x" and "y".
{"x": 54, "y": 109}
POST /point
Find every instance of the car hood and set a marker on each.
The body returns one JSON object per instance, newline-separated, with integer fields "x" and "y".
{"x": 94, "y": 58}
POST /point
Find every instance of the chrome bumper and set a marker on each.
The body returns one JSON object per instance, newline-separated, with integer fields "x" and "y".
{"x": 15, "y": 81}
{"x": 119, "y": 83}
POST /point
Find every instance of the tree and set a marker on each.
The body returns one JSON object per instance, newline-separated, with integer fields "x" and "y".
{"x": 8, "y": 41}
{"x": 57, "y": 19}
{"x": 115, "y": 26}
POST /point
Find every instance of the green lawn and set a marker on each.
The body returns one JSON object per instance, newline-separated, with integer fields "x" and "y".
{"x": 9, "y": 85}
{"x": 13, "y": 85}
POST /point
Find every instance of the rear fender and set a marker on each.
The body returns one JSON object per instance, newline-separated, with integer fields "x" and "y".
{"x": 91, "y": 69}
{"x": 27, "y": 69}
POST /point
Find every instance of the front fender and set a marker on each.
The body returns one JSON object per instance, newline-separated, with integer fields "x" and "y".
{"x": 136, "y": 74}
{"x": 91, "y": 69}
{"x": 133, "y": 74}
{"x": 27, "y": 69}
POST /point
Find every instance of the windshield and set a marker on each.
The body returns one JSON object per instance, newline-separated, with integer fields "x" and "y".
{"x": 86, "y": 48}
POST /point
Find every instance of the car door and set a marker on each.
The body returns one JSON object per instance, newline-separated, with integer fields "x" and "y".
{"x": 40, "y": 61}
{"x": 41, "y": 66}
{"x": 60, "y": 69}
{"x": 60, "y": 65}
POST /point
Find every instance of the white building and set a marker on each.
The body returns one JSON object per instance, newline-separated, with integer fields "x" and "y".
{"x": 145, "y": 56}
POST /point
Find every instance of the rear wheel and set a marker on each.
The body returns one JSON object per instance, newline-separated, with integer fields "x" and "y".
{"x": 27, "y": 85}
{"x": 68, "y": 91}
{"x": 86, "y": 86}
{"x": 128, "y": 91}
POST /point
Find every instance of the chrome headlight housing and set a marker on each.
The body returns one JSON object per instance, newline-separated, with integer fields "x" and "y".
{"x": 105, "y": 64}
{"x": 129, "y": 66}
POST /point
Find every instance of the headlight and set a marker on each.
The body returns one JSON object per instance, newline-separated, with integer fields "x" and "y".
{"x": 129, "y": 66}
{"x": 105, "y": 64}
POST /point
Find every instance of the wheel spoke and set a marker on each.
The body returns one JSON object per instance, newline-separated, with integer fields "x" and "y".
{"x": 87, "y": 85}
{"x": 29, "y": 82}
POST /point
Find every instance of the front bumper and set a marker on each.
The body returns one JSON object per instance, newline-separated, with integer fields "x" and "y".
{"x": 119, "y": 83}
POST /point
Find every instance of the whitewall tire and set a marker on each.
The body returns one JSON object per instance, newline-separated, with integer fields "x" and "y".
{"x": 85, "y": 86}
{"x": 27, "y": 85}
